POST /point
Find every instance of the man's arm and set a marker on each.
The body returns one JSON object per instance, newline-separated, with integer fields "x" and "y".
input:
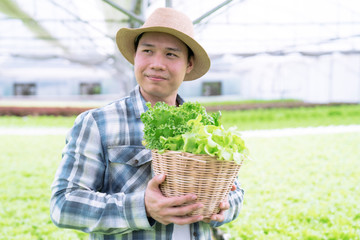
{"x": 231, "y": 206}
{"x": 76, "y": 201}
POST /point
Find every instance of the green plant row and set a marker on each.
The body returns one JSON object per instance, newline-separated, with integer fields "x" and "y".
{"x": 245, "y": 102}
{"x": 36, "y": 121}
{"x": 301, "y": 187}
{"x": 292, "y": 117}
{"x": 243, "y": 119}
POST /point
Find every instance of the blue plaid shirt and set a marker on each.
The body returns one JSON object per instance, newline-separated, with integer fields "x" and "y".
{"x": 100, "y": 184}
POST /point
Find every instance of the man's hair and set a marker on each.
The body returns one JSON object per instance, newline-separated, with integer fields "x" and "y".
{"x": 137, "y": 40}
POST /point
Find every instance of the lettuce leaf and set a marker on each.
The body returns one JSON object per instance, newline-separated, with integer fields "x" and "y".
{"x": 189, "y": 128}
{"x": 166, "y": 121}
{"x": 213, "y": 140}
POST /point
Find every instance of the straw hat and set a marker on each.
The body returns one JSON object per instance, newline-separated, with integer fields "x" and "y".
{"x": 166, "y": 20}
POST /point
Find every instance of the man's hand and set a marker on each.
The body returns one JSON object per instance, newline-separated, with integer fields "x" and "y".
{"x": 166, "y": 210}
{"x": 224, "y": 205}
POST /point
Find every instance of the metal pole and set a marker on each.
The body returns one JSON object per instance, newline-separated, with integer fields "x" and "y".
{"x": 205, "y": 15}
{"x": 129, "y": 14}
{"x": 168, "y": 3}
{"x": 331, "y": 79}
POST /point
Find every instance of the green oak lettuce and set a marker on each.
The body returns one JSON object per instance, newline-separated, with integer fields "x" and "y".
{"x": 189, "y": 128}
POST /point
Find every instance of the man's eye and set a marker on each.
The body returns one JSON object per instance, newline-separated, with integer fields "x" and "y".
{"x": 171, "y": 55}
{"x": 146, "y": 51}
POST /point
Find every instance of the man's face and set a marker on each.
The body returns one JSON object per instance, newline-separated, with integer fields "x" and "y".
{"x": 160, "y": 64}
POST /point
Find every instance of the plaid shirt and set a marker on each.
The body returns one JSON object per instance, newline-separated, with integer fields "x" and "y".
{"x": 100, "y": 184}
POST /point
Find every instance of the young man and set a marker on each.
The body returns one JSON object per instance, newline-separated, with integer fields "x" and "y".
{"x": 104, "y": 185}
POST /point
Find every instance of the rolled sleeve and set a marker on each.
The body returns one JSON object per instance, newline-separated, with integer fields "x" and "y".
{"x": 135, "y": 212}
{"x": 236, "y": 201}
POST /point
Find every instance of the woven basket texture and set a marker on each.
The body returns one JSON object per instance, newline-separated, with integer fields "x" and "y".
{"x": 203, "y": 175}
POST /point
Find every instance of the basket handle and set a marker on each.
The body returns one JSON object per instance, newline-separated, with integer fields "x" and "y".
{"x": 194, "y": 159}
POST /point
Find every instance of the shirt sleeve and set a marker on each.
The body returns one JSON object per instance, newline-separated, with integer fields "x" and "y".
{"x": 236, "y": 201}
{"x": 76, "y": 201}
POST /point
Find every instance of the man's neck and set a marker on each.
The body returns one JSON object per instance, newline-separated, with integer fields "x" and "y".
{"x": 170, "y": 100}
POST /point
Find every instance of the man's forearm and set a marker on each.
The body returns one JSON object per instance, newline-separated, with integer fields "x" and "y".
{"x": 89, "y": 211}
{"x": 236, "y": 201}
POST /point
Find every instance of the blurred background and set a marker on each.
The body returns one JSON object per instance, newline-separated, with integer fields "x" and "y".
{"x": 308, "y": 50}
{"x": 59, "y": 58}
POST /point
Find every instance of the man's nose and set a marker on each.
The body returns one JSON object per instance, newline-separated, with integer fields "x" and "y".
{"x": 158, "y": 62}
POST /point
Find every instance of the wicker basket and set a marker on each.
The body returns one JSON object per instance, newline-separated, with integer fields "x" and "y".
{"x": 205, "y": 176}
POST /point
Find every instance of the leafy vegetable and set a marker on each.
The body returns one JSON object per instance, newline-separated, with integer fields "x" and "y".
{"x": 166, "y": 121}
{"x": 189, "y": 128}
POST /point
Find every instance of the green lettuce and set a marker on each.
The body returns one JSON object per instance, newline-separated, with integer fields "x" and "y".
{"x": 189, "y": 128}
{"x": 166, "y": 121}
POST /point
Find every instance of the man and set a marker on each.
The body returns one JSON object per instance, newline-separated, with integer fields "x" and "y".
{"x": 104, "y": 185}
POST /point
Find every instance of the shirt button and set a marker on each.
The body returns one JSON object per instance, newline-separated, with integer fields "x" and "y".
{"x": 136, "y": 161}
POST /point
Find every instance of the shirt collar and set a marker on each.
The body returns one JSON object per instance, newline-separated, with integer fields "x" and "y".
{"x": 139, "y": 102}
{"x": 179, "y": 100}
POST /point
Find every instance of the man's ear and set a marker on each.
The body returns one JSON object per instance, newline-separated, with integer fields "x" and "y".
{"x": 190, "y": 64}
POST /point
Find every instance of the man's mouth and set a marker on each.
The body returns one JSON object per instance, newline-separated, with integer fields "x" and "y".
{"x": 155, "y": 77}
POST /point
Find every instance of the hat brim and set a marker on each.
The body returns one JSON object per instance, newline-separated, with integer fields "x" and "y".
{"x": 125, "y": 40}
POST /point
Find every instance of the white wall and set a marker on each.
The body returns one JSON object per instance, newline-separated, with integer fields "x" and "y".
{"x": 322, "y": 79}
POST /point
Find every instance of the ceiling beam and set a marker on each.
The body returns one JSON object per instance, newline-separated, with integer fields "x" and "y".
{"x": 208, "y": 13}
{"x": 131, "y": 15}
